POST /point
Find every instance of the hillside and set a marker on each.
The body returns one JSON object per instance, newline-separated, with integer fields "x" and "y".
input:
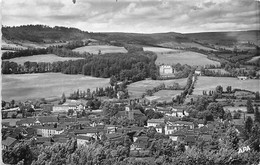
{"x": 227, "y": 38}
{"x": 142, "y": 39}
{"x": 31, "y": 34}
{"x": 42, "y": 33}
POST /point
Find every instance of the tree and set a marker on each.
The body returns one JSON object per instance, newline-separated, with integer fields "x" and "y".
{"x": 248, "y": 126}
{"x": 219, "y": 89}
{"x": 70, "y": 112}
{"x": 63, "y": 98}
{"x": 12, "y": 103}
{"x": 113, "y": 80}
{"x": 257, "y": 96}
{"x": 249, "y": 106}
{"x": 236, "y": 115}
{"x": 257, "y": 115}
{"x": 3, "y": 103}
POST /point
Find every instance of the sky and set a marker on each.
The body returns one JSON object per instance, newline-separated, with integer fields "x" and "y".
{"x": 139, "y": 16}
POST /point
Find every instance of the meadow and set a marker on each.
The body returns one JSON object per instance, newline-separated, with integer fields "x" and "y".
{"x": 254, "y": 59}
{"x": 210, "y": 83}
{"x": 41, "y": 58}
{"x": 46, "y": 85}
{"x": 167, "y": 95}
{"x": 138, "y": 88}
{"x": 103, "y": 48}
{"x": 184, "y": 57}
{"x": 158, "y": 49}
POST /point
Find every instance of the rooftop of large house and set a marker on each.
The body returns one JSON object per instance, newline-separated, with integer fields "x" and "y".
{"x": 156, "y": 121}
{"x": 8, "y": 141}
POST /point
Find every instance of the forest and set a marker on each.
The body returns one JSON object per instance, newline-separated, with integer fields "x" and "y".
{"x": 132, "y": 66}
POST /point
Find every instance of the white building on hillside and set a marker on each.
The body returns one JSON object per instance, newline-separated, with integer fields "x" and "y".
{"x": 166, "y": 69}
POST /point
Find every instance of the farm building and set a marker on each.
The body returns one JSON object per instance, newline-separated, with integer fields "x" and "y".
{"x": 198, "y": 71}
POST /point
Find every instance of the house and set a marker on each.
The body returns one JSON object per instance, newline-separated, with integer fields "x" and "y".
{"x": 46, "y": 107}
{"x": 190, "y": 140}
{"x": 83, "y": 140}
{"x": 171, "y": 127}
{"x": 60, "y": 109}
{"x": 180, "y": 113}
{"x": 163, "y": 110}
{"x": 155, "y": 122}
{"x": 47, "y": 120}
{"x": 43, "y": 140}
{"x": 48, "y": 131}
{"x": 89, "y": 132}
{"x": 206, "y": 138}
{"x": 9, "y": 142}
{"x": 115, "y": 137}
{"x": 26, "y": 122}
{"x": 200, "y": 123}
{"x": 141, "y": 143}
{"x": 165, "y": 69}
{"x": 177, "y": 136}
{"x": 242, "y": 77}
{"x": 198, "y": 71}
{"x": 110, "y": 129}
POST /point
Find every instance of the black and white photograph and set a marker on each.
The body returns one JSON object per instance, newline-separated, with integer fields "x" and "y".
{"x": 130, "y": 82}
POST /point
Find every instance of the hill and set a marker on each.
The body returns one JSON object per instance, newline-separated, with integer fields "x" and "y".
{"x": 42, "y": 33}
{"x": 208, "y": 41}
{"x": 227, "y": 38}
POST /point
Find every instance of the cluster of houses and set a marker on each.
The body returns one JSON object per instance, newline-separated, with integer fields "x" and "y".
{"x": 58, "y": 128}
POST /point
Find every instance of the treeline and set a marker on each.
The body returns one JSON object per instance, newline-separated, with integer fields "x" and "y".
{"x": 23, "y": 53}
{"x": 109, "y": 91}
{"x": 62, "y": 51}
{"x": 43, "y": 33}
{"x": 175, "y": 86}
{"x": 131, "y": 66}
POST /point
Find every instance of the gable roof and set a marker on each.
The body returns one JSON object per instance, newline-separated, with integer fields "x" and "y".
{"x": 9, "y": 141}
{"x": 48, "y": 119}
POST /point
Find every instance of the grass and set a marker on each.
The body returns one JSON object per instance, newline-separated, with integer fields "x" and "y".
{"x": 167, "y": 95}
{"x": 222, "y": 71}
{"x": 104, "y": 49}
{"x": 254, "y": 59}
{"x": 46, "y": 85}
{"x": 138, "y": 88}
{"x": 42, "y": 58}
{"x": 184, "y": 57}
{"x": 158, "y": 49}
{"x": 210, "y": 83}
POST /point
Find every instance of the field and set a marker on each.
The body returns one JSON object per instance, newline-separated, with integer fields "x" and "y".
{"x": 138, "y": 88}
{"x": 103, "y": 48}
{"x": 184, "y": 57}
{"x": 210, "y": 83}
{"x": 222, "y": 71}
{"x": 166, "y": 95}
{"x": 41, "y": 58}
{"x": 46, "y": 85}
{"x": 9, "y": 45}
{"x": 158, "y": 49}
{"x": 254, "y": 59}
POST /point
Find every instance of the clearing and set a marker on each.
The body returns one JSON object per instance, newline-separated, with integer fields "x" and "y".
{"x": 46, "y": 85}
{"x": 210, "y": 83}
{"x": 167, "y": 95}
{"x": 184, "y": 57}
{"x": 103, "y": 48}
{"x": 42, "y": 58}
{"x": 138, "y": 88}
{"x": 158, "y": 49}
{"x": 254, "y": 59}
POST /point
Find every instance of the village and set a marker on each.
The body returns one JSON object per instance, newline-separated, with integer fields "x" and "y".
{"x": 141, "y": 120}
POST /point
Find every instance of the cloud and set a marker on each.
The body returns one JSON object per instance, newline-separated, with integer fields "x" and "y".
{"x": 144, "y": 16}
